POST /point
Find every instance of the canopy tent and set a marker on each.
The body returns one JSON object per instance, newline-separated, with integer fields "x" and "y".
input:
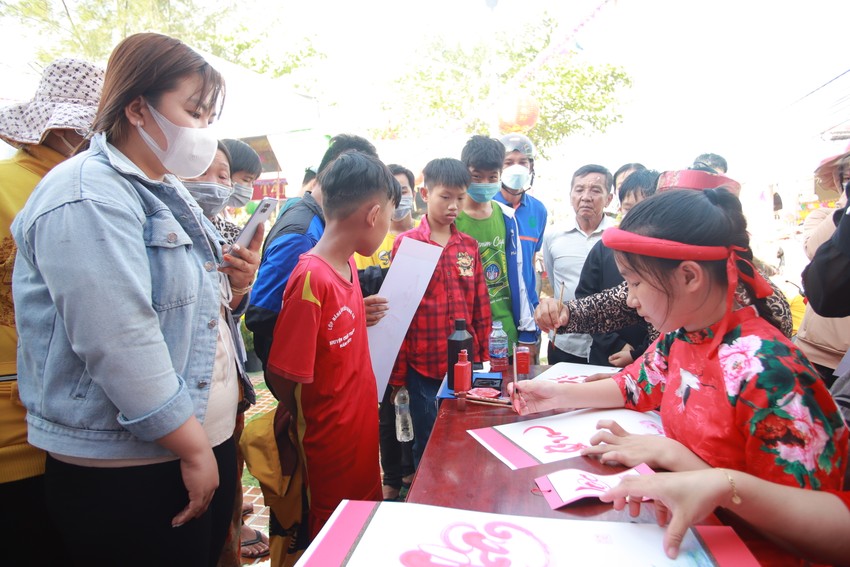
{"x": 256, "y": 105}
{"x": 262, "y": 111}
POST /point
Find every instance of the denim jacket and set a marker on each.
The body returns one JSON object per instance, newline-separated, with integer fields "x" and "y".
{"x": 117, "y": 301}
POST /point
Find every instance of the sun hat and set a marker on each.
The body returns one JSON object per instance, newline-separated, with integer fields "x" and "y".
{"x": 67, "y": 98}
{"x": 826, "y": 170}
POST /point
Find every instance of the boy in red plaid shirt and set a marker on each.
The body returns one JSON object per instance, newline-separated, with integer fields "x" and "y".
{"x": 457, "y": 291}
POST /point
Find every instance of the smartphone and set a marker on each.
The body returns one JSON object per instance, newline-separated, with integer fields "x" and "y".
{"x": 261, "y": 214}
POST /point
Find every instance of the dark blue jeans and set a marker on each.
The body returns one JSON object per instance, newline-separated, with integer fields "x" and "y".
{"x": 423, "y": 410}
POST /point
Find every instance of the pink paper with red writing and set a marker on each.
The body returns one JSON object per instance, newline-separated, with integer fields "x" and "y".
{"x": 558, "y": 437}
{"x": 568, "y": 485}
{"x": 416, "y": 535}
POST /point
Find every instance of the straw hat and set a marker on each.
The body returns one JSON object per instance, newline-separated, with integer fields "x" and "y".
{"x": 67, "y": 97}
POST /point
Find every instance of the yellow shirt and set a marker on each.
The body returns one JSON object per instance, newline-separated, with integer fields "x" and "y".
{"x": 18, "y": 178}
{"x": 381, "y": 257}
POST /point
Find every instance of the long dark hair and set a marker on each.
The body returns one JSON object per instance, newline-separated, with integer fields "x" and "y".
{"x": 149, "y": 65}
{"x": 711, "y": 217}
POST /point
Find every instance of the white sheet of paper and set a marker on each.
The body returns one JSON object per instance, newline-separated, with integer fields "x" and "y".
{"x": 416, "y": 534}
{"x": 572, "y": 372}
{"x": 558, "y": 437}
{"x": 570, "y": 485}
{"x": 404, "y": 286}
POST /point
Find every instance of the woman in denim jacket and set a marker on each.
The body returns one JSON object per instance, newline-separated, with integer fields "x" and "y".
{"x": 125, "y": 366}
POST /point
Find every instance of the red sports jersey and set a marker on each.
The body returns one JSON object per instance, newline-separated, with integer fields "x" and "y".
{"x": 320, "y": 343}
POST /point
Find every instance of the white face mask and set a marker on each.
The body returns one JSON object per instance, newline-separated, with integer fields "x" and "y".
{"x": 404, "y": 207}
{"x": 517, "y": 177}
{"x": 240, "y": 196}
{"x": 211, "y": 197}
{"x": 188, "y": 151}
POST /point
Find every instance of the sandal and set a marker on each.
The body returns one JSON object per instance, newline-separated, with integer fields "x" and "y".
{"x": 259, "y": 538}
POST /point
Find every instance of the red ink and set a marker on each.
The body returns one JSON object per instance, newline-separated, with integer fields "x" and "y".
{"x": 569, "y": 379}
{"x": 652, "y": 426}
{"x": 464, "y": 546}
{"x": 590, "y": 482}
{"x": 558, "y": 444}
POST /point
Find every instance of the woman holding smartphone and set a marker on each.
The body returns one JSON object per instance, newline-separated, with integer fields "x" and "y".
{"x": 120, "y": 305}
{"x": 212, "y": 190}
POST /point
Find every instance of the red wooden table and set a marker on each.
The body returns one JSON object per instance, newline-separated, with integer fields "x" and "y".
{"x": 456, "y": 471}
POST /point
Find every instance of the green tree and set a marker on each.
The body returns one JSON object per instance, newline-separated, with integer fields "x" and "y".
{"x": 91, "y": 28}
{"x": 459, "y": 88}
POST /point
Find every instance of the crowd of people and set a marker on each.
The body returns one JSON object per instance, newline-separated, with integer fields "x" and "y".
{"x": 123, "y": 366}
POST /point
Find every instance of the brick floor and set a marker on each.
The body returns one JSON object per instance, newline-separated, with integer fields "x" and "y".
{"x": 260, "y": 518}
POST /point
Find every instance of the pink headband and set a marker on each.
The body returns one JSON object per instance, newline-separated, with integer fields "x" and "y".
{"x": 624, "y": 241}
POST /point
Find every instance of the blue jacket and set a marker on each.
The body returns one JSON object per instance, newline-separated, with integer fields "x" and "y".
{"x": 531, "y": 216}
{"x": 117, "y": 295}
{"x": 521, "y": 297}
{"x": 296, "y": 231}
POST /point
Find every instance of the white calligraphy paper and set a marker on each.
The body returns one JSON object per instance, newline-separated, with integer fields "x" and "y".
{"x": 415, "y": 535}
{"x": 572, "y": 372}
{"x": 568, "y": 485}
{"x": 555, "y": 438}
{"x": 403, "y": 288}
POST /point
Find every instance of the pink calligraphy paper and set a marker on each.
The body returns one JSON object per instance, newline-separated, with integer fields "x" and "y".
{"x": 558, "y": 437}
{"x": 568, "y": 485}
{"x": 364, "y": 534}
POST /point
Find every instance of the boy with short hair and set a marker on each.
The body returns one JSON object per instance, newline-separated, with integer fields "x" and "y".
{"x": 495, "y": 227}
{"x": 456, "y": 291}
{"x": 402, "y": 221}
{"x": 531, "y": 215}
{"x": 319, "y": 363}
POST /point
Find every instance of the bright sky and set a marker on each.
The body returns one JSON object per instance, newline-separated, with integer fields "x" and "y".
{"x": 720, "y": 76}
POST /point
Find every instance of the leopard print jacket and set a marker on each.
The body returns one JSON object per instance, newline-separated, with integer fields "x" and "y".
{"x": 606, "y": 311}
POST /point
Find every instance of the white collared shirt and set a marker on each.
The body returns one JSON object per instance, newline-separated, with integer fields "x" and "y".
{"x": 565, "y": 249}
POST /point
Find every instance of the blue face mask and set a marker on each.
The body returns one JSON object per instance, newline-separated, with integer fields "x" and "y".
{"x": 483, "y": 192}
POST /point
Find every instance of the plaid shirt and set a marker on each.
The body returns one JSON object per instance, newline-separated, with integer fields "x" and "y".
{"x": 457, "y": 291}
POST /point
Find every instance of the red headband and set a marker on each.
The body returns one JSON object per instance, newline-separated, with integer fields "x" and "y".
{"x": 624, "y": 241}
{"x": 695, "y": 179}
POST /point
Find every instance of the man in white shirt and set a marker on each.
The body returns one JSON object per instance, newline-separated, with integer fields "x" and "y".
{"x": 565, "y": 249}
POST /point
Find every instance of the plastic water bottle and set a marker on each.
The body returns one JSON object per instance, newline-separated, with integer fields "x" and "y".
{"x": 403, "y": 422}
{"x": 498, "y": 348}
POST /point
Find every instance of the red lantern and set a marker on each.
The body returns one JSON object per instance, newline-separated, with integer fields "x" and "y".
{"x": 518, "y": 113}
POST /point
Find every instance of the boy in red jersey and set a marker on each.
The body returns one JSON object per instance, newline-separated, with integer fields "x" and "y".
{"x": 319, "y": 363}
{"x": 457, "y": 291}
